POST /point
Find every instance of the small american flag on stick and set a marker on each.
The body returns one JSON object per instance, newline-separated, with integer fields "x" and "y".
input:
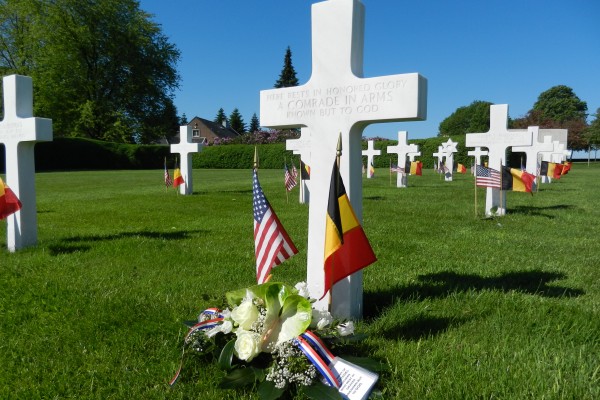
{"x": 272, "y": 245}
{"x": 487, "y": 177}
{"x": 290, "y": 179}
{"x": 168, "y": 180}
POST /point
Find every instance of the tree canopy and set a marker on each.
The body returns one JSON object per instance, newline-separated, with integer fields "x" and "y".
{"x": 559, "y": 108}
{"x": 254, "y": 124}
{"x": 101, "y": 68}
{"x": 287, "y": 78}
{"x": 469, "y": 119}
{"x": 236, "y": 122}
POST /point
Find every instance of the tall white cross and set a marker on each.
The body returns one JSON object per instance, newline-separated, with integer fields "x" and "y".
{"x": 497, "y": 140}
{"x": 449, "y": 148}
{"x": 440, "y": 156}
{"x": 371, "y": 152}
{"x": 19, "y": 131}
{"x": 337, "y": 100}
{"x": 538, "y": 145}
{"x": 402, "y": 149}
{"x": 477, "y": 153}
{"x": 185, "y": 148}
{"x": 301, "y": 146}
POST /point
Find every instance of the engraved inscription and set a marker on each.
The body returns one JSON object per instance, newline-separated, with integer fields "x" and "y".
{"x": 337, "y": 100}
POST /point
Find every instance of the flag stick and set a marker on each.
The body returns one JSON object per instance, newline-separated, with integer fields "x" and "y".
{"x": 287, "y": 196}
{"x": 475, "y": 191}
{"x": 338, "y": 155}
{"x": 501, "y": 194}
{"x": 255, "y": 158}
{"x": 166, "y": 188}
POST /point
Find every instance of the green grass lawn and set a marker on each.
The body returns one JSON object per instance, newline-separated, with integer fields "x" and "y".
{"x": 457, "y": 307}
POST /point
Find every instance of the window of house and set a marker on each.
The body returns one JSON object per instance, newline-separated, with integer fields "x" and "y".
{"x": 195, "y": 132}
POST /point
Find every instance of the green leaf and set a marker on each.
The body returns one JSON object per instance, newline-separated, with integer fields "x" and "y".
{"x": 226, "y": 355}
{"x": 238, "y": 378}
{"x": 289, "y": 322}
{"x": 190, "y": 324}
{"x": 259, "y": 373}
{"x": 366, "y": 363}
{"x": 320, "y": 391}
{"x": 268, "y": 391}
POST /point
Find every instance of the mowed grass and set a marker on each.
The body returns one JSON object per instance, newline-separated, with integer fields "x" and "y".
{"x": 457, "y": 307}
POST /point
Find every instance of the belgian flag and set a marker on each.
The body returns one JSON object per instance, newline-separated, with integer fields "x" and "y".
{"x": 347, "y": 249}
{"x": 551, "y": 169}
{"x": 517, "y": 180}
{"x": 416, "y": 168}
{"x": 461, "y": 168}
{"x": 177, "y": 178}
{"x": 304, "y": 171}
{"x": 9, "y": 203}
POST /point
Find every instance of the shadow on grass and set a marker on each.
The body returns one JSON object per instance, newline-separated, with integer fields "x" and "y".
{"x": 66, "y": 246}
{"x": 538, "y": 211}
{"x": 420, "y": 326}
{"x": 374, "y": 198}
{"x": 445, "y": 283}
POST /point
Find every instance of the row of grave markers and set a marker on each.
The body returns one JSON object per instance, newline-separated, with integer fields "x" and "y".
{"x": 336, "y": 101}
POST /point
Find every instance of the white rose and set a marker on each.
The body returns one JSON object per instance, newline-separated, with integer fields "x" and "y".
{"x": 302, "y": 289}
{"x": 245, "y": 315}
{"x": 346, "y": 328}
{"x": 225, "y": 328}
{"x": 247, "y": 345}
{"x": 320, "y": 319}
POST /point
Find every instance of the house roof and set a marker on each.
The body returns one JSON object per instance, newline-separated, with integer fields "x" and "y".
{"x": 217, "y": 129}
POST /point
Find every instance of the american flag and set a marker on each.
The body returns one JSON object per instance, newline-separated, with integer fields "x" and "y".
{"x": 395, "y": 168}
{"x": 272, "y": 245}
{"x": 487, "y": 177}
{"x": 294, "y": 171}
{"x": 290, "y": 179}
{"x": 168, "y": 180}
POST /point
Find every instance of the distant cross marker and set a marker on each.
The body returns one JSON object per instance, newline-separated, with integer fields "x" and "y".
{"x": 185, "y": 148}
{"x": 497, "y": 140}
{"x": 532, "y": 152}
{"x": 301, "y": 146}
{"x": 337, "y": 100}
{"x": 449, "y": 148}
{"x": 370, "y": 152}
{"x": 19, "y": 131}
{"x": 403, "y": 149}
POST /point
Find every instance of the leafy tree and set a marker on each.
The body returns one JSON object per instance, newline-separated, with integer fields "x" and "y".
{"x": 558, "y": 108}
{"x": 560, "y": 104}
{"x": 236, "y": 122}
{"x": 254, "y": 124}
{"x": 220, "y": 118}
{"x": 101, "y": 68}
{"x": 592, "y": 133}
{"x": 469, "y": 119}
{"x": 183, "y": 120}
{"x": 287, "y": 78}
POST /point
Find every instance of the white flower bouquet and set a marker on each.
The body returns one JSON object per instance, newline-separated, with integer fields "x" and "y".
{"x": 269, "y": 336}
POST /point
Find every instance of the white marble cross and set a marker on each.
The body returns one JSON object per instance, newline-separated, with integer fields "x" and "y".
{"x": 412, "y": 155}
{"x": 337, "y": 100}
{"x": 440, "y": 156}
{"x": 449, "y": 148}
{"x": 477, "y": 153}
{"x": 185, "y": 148}
{"x": 371, "y": 152}
{"x": 539, "y": 144}
{"x": 497, "y": 140}
{"x": 403, "y": 149}
{"x": 301, "y": 146}
{"x": 19, "y": 131}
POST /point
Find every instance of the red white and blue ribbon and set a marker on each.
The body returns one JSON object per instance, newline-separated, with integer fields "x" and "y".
{"x": 318, "y": 345}
{"x": 323, "y": 367}
{"x": 208, "y": 324}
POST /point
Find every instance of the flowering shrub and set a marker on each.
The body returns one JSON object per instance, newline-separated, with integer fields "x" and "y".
{"x": 260, "y": 137}
{"x": 263, "y": 338}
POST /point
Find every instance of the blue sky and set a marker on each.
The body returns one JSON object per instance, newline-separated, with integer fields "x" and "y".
{"x": 502, "y": 51}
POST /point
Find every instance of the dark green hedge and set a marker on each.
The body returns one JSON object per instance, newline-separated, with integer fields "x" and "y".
{"x": 85, "y": 154}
